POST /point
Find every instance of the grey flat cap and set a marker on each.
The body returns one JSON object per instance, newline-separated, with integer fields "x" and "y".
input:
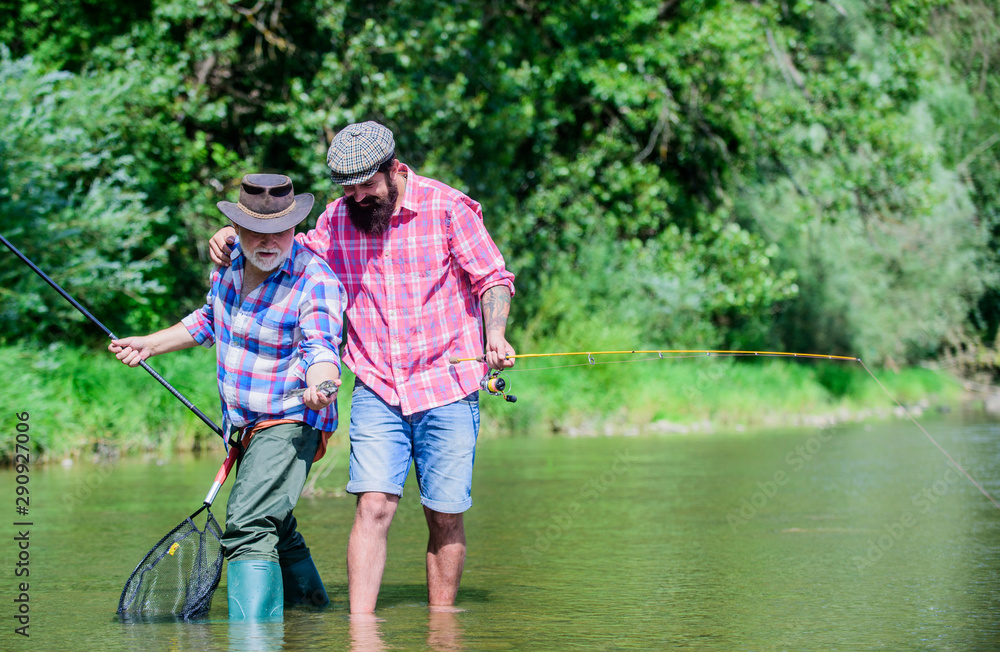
{"x": 357, "y": 150}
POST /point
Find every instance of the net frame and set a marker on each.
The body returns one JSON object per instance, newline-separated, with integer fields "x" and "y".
{"x": 185, "y": 591}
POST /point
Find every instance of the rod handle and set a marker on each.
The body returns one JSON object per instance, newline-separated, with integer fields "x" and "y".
{"x": 455, "y": 359}
{"x": 223, "y": 473}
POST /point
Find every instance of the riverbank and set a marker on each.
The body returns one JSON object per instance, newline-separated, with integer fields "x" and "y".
{"x": 708, "y": 394}
{"x": 85, "y": 402}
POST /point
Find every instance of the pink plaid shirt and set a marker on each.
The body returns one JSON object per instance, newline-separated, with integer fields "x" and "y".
{"x": 414, "y": 293}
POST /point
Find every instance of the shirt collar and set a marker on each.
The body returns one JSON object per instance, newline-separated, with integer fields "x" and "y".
{"x": 410, "y": 201}
{"x": 288, "y": 267}
{"x": 236, "y": 256}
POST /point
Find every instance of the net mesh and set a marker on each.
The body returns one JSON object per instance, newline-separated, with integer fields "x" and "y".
{"x": 177, "y": 578}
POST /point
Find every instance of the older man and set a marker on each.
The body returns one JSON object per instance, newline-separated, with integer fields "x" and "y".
{"x": 275, "y": 315}
{"x": 423, "y": 278}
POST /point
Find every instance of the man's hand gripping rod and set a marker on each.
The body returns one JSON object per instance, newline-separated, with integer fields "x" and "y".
{"x": 492, "y": 383}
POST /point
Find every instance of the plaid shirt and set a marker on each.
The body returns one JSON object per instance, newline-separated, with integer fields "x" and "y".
{"x": 414, "y": 293}
{"x": 267, "y": 342}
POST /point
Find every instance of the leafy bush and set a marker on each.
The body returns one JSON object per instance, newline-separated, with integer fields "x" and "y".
{"x": 714, "y": 172}
{"x": 68, "y": 202}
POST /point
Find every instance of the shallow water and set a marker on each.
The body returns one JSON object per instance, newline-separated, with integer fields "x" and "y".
{"x": 856, "y": 537}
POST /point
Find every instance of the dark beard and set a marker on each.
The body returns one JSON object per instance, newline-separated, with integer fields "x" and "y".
{"x": 375, "y": 218}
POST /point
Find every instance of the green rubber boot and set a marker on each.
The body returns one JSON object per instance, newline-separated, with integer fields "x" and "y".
{"x": 255, "y": 591}
{"x": 303, "y": 585}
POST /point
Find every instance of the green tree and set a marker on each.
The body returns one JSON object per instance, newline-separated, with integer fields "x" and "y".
{"x": 803, "y": 174}
{"x": 69, "y": 203}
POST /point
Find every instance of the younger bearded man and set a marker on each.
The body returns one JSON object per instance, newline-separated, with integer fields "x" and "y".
{"x": 275, "y": 315}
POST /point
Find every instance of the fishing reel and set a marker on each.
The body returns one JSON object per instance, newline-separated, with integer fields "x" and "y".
{"x": 495, "y": 384}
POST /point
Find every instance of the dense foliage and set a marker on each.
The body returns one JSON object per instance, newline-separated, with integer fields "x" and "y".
{"x": 797, "y": 174}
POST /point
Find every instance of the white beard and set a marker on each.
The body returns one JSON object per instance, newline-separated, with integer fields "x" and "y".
{"x": 271, "y": 265}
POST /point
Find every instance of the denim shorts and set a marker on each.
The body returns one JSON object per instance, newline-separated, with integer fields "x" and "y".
{"x": 441, "y": 442}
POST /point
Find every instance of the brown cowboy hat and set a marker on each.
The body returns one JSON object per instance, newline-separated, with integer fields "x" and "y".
{"x": 267, "y": 204}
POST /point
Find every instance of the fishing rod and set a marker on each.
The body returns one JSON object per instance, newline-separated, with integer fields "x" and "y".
{"x": 660, "y": 352}
{"x": 180, "y": 397}
{"x": 495, "y": 385}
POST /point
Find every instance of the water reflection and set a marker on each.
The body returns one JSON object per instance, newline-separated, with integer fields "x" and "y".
{"x": 176, "y": 635}
{"x": 256, "y": 637}
{"x": 365, "y": 634}
{"x": 444, "y": 630}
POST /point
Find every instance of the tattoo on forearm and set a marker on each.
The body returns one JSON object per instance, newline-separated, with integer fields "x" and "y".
{"x": 496, "y": 307}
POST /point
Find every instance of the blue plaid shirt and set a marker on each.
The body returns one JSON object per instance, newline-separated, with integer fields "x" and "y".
{"x": 267, "y": 342}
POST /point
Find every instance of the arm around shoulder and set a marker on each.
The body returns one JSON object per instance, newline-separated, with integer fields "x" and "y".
{"x": 220, "y": 246}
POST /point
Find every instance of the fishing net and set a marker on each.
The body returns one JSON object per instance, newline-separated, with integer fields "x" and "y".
{"x": 178, "y": 577}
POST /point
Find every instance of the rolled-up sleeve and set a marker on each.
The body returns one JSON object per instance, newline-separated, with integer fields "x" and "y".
{"x": 321, "y": 322}
{"x": 201, "y": 323}
{"x": 475, "y": 250}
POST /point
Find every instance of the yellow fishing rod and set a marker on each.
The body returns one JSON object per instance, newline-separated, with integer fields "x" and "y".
{"x": 661, "y": 352}
{"x": 494, "y": 384}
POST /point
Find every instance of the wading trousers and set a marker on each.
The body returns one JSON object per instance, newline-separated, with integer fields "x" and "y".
{"x": 269, "y": 479}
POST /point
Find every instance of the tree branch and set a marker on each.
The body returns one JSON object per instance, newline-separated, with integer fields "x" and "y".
{"x": 270, "y": 36}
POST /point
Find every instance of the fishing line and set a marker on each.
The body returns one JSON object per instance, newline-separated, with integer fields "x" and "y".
{"x": 677, "y": 354}
{"x": 934, "y": 441}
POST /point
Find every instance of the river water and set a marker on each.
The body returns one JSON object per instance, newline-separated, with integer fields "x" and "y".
{"x": 857, "y": 537}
